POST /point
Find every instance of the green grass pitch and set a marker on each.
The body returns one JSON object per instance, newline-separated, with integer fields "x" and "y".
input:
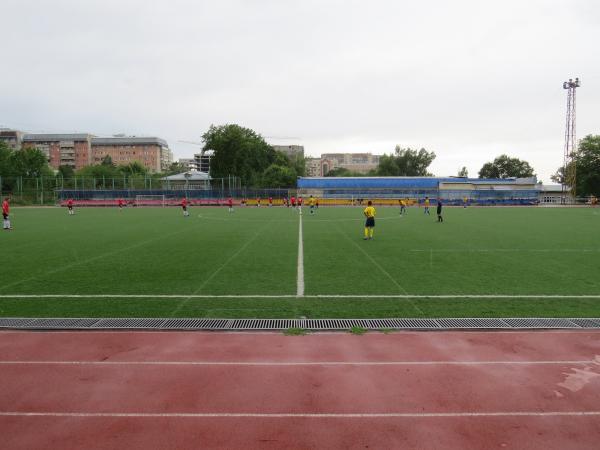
{"x": 145, "y": 252}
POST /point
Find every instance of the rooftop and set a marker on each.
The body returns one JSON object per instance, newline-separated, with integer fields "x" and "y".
{"x": 189, "y": 176}
{"x": 56, "y": 137}
{"x": 131, "y": 140}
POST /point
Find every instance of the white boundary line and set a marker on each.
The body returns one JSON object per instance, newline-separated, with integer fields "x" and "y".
{"x": 306, "y": 415}
{"x": 294, "y": 364}
{"x": 367, "y": 296}
{"x": 187, "y": 298}
{"x": 505, "y": 250}
{"x": 300, "y": 275}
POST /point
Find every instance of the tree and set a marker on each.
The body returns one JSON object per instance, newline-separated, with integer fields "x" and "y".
{"x": 5, "y": 152}
{"x": 99, "y": 171}
{"x": 66, "y": 171}
{"x": 238, "y": 151}
{"x": 506, "y": 167}
{"x": 133, "y": 168}
{"x": 406, "y": 162}
{"x": 464, "y": 173}
{"x": 559, "y": 176}
{"x": 587, "y": 165}
{"x": 29, "y": 163}
{"x": 278, "y": 176}
{"x": 343, "y": 172}
{"x": 107, "y": 161}
{"x": 175, "y": 168}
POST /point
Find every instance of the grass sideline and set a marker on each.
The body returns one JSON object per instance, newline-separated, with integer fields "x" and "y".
{"x": 152, "y": 251}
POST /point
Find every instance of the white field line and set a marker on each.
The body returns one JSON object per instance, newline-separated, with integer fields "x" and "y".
{"x": 95, "y": 258}
{"x": 300, "y": 363}
{"x": 212, "y": 275}
{"x": 300, "y": 275}
{"x": 366, "y": 296}
{"x": 407, "y": 415}
{"x": 505, "y": 250}
{"x": 375, "y": 263}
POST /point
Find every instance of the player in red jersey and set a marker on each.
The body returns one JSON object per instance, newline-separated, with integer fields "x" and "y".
{"x": 70, "y": 206}
{"x": 5, "y": 214}
{"x": 270, "y": 201}
{"x": 230, "y": 204}
{"x": 121, "y": 203}
{"x": 184, "y": 206}
{"x": 293, "y": 200}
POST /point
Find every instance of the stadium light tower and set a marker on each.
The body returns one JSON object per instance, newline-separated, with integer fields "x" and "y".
{"x": 569, "y": 178}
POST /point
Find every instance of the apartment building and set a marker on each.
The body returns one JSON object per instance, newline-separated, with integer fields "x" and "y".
{"x": 73, "y": 150}
{"x": 355, "y": 162}
{"x": 152, "y": 152}
{"x": 12, "y": 138}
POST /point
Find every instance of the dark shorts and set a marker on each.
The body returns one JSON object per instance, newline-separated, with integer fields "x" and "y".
{"x": 5, "y": 216}
{"x": 70, "y": 206}
{"x": 370, "y": 222}
{"x": 184, "y": 208}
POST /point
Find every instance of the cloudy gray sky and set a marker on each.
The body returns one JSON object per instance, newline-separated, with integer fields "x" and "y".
{"x": 468, "y": 79}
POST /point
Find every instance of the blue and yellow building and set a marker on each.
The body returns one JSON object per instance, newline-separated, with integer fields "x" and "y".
{"x": 452, "y": 190}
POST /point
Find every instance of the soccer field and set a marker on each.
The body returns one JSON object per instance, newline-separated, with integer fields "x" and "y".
{"x": 152, "y": 262}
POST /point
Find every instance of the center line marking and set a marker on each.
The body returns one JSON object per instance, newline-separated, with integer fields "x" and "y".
{"x": 300, "y": 275}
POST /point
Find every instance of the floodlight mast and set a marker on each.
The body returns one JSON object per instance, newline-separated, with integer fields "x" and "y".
{"x": 569, "y": 178}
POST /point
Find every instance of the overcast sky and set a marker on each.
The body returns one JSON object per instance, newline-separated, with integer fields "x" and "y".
{"x": 467, "y": 79}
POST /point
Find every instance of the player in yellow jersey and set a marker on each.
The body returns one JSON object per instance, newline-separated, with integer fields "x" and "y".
{"x": 369, "y": 213}
{"x": 311, "y": 203}
{"x": 426, "y": 206}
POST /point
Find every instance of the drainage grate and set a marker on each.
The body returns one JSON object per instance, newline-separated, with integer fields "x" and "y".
{"x": 540, "y": 323}
{"x": 309, "y": 324}
{"x": 415, "y": 324}
{"x": 129, "y": 323}
{"x": 586, "y": 323}
{"x": 264, "y": 324}
{"x": 197, "y": 324}
{"x": 61, "y": 323}
{"x": 14, "y": 323}
{"x": 473, "y": 323}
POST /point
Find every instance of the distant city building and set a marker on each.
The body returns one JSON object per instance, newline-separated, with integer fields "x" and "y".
{"x": 73, "y": 150}
{"x": 188, "y": 180}
{"x": 318, "y": 167}
{"x": 152, "y": 152}
{"x": 189, "y": 163}
{"x": 203, "y": 160}
{"x": 13, "y": 138}
{"x": 83, "y": 149}
{"x": 355, "y": 162}
{"x": 291, "y": 151}
{"x": 313, "y": 167}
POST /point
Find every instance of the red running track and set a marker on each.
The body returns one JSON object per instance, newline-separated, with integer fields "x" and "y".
{"x": 141, "y": 390}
